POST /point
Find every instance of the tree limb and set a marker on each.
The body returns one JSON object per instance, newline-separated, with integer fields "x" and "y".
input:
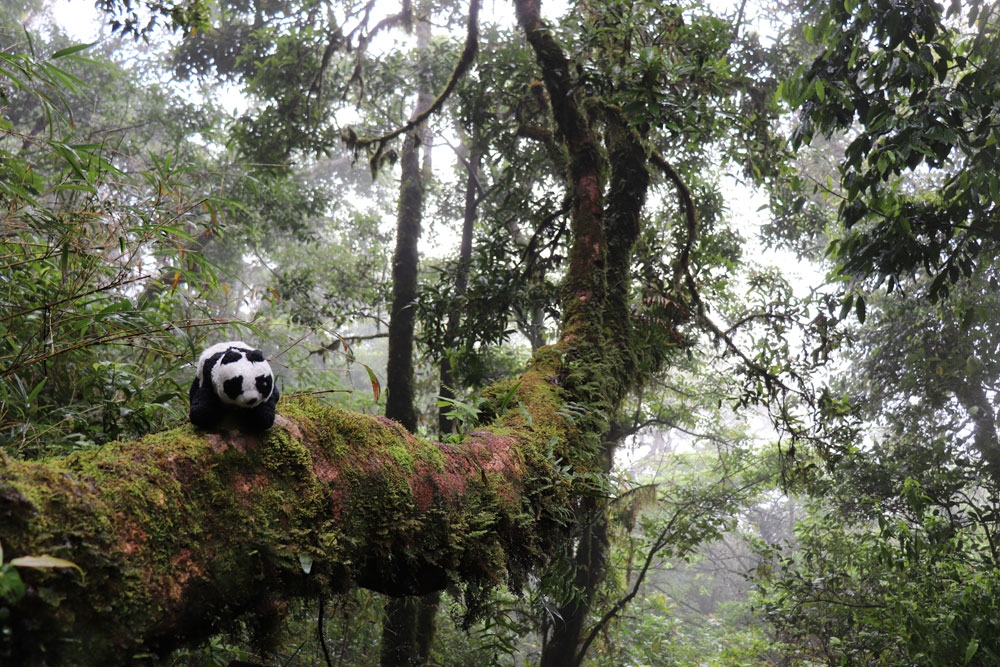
{"x": 182, "y": 532}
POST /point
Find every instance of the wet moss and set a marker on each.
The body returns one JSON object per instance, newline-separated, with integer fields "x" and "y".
{"x": 431, "y": 457}
{"x": 401, "y": 457}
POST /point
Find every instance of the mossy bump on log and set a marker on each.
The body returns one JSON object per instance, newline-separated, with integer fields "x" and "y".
{"x": 182, "y": 533}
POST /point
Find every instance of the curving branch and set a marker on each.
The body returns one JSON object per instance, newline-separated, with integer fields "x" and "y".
{"x": 683, "y": 266}
{"x": 403, "y": 17}
{"x": 378, "y": 144}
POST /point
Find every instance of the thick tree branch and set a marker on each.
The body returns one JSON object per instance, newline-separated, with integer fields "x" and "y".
{"x": 182, "y": 532}
{"x": 585, "y": 286}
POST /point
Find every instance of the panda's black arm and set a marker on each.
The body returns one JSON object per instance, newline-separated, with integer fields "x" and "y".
{"x": 260, "y": 418}
{"x": 206, "y": 408}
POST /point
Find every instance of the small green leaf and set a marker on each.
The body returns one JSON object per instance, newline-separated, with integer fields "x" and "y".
{"x": 45, "y": 562}
{"x": 11, "y": 586}
{"x": 845, "y": 306}
{"x": 971, "y": 649}
{"x": 31, "y": 399}
{"x": 70, "y": 50}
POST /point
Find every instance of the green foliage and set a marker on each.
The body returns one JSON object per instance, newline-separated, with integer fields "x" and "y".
{"x": 917, "y": 590}
{"x": 336, "y": 275}
{"x": 895, "y": 563}
{"x": 11, "y": 592}
{"x": 673, "y": 68}
{"x": 12, "y": 588}
{"x": 656, "y": 633}
{"x": 913, "y": 88}
{"x": 95, "y": 264}
{"x": 139, "y": 19}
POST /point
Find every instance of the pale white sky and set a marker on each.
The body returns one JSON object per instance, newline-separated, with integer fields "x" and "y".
{"x": 78, "y": 18}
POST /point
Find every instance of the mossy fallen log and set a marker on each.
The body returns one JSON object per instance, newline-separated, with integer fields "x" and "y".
{"x": 183, "y": 532}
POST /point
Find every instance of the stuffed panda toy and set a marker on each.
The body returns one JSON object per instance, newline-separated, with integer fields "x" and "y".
{"x": 233, "y": 380}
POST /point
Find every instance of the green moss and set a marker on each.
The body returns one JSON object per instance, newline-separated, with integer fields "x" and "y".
{"x": 353, "y": 503}
{"x": 402, "y": 457}
{"x": 284, "y": 454}
{"x": 431, "y": 456}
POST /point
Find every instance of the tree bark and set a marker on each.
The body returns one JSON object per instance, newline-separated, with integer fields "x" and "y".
{"x": 399, "y": 633}
{"x": 399, "y": 625}
{"x": 973, "y": 397}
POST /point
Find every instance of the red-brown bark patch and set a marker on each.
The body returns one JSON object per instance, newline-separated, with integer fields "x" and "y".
{"x": 183, "y": 569}
{"x": 133, "y": 538}
{"x": 425, "y": 486}
{"x": 245, "y": 484}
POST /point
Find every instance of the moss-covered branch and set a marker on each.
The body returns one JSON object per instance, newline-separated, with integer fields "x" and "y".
{"x": 180, "y": 533}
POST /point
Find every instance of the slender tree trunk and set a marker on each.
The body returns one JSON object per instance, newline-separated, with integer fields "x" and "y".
{"x": 400, "y": 625}
{"x": 399, "y": 632}
{"x": 426, "y": 626}
{"x": 973, "y": 397}
{"x": 447, "y": 383}
{"x": 589, "y": 567}
{"x": 399, "y": 403}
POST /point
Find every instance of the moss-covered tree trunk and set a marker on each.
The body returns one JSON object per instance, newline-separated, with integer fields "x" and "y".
{"x": 597, "y": 302}
{"x": 405, "y": 260}
{"x": 454, "y": 317}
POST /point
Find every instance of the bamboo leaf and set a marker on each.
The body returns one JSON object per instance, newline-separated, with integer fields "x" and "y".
{"x": 376, "y": 385}
{"x": 70, "y": 50}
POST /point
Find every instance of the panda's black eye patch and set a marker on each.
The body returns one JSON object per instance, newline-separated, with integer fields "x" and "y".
{"x": 233, "y": 387}
{"x": 231, "y": 356}
{"x": 255, "y": 355}
{"x": 264, "y": 384}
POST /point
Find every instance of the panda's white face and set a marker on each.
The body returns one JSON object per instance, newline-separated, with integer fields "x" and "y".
{"x": 239, "y": 374}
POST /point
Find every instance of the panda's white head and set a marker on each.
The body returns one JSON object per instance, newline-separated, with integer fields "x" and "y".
{"x": 239, "y": 375}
